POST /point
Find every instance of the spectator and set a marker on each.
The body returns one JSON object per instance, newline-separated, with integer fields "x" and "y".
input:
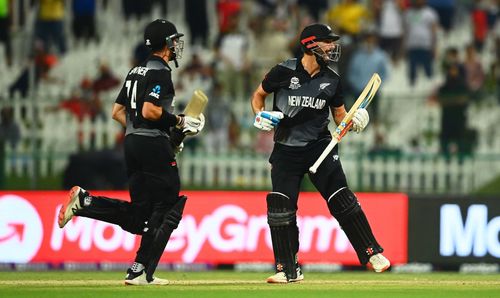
{"x": 218, "y": 116}
{"x": 38, "y": 65}
{"x": 474, "y": 73}
{"x": 136, "y": 9}
{"x": 492, "y": 8}
{"x": 445, "y": 10}
{"x": 84, "y": 20}
{"x": 232, "y": 63}
{"x": 421, "y": 24}
{"x": 365, "y": 61}
{"x": 91, "y": 99}
{"x": 348, "y": 17}
{"x": 196, "y": 68}
{"x": 289, "y": 9}
{"x": 479, "y": 17}
{"x": 5, "y": 30}
{"x": 194, "y": 75}
{"x": 390, "y": 21}
{"x": 10, "y": 133}
{"x": 49, "y": 27}
{"x": 197, "y": 19}
{"x": 82, "y": 103}
{"x": 452, "y": 96}
{"x": 226, "y": 11}
{"x": 315, "y": 8}
{"x": 106, "y": 80}
{"x": 451, "y": 57}
{"x": 234, "y": 132}
{"x": 268, "y": 45}
{"x": 493, "y": 79}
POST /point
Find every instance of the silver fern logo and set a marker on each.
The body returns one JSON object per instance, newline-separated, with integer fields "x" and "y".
{"x": 323, "y": 85}
{"x": 335, "y": 157}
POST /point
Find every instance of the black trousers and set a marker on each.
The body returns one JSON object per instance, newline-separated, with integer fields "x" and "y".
{"x": 290, "y": 164}
{"x": 154, "y": 187}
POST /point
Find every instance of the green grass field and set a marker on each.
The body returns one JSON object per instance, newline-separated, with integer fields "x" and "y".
{"x": 235, "y": 284}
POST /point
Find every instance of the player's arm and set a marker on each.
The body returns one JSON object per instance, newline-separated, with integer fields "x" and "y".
{"x": 338, "y": 113}
{"x": 337, "y": 106}
{"x": 119, "y": 111}
{"x": 266, "y": 120}
{"x": 153, "y": 111}
{"x": 119, "y": 114}
{"x": 258, "y": 99}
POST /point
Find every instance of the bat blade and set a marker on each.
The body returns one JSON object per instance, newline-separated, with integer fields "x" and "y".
{"x": 197, "y": 104}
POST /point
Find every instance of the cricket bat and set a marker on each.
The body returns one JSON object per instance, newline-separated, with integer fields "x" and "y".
{"x": 345, "y": 125}
{"x": 194, "y": 108}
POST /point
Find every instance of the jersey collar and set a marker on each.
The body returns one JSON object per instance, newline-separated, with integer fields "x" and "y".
{"x": 300, "y": 68}
{"x": 156, "y": 58}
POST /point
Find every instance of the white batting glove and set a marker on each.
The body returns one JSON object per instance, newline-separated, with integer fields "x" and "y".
{"x": 191, "y": 126}
{"x": 360, "y": 120}
{"x": 265, "y": 120}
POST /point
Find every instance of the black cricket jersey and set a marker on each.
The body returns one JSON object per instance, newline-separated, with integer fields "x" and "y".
{"x": 304, "y": 100}
{"x": 152, "y": 82}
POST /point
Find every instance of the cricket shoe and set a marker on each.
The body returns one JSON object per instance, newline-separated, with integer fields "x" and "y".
{"x": 280, "y": 277}
{"x": 378, "y": 263}
{"x": 76, "y": 196}
{"x": 139, "y": 279}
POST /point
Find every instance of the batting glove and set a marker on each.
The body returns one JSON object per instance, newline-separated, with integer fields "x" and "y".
{"x": 265, "y": 120}
{"x": 191, "y": 126}
{"x": 360, "y": 120}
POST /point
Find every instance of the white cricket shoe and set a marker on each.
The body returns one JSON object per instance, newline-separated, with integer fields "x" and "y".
{"x": 280, "y": 277}
{"x": 141, "y": 280}
{"x": 379, "y": 263}
{"x": 67, "y": 212}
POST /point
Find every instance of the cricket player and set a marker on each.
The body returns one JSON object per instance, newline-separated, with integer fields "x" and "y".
{"x": 144, "y": 106}
{"x": 305, "y": 91}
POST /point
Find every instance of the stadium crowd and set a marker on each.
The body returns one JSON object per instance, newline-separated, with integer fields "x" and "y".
{"x": 231, "y": 43}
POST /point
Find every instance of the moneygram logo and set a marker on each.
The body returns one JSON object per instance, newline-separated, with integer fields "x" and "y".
{"x": 21, "y": 230}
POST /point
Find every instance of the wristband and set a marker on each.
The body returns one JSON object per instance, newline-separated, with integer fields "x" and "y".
{"x": 167, "y": 120}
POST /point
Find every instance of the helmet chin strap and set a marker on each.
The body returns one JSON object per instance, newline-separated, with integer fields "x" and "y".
{"x": 174, "y": 57}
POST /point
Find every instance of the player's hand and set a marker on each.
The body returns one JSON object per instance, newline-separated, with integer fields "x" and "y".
{"x": 191, "y": 126}
{"x": 265, "y": 120}
{"x": 360, "y": 120}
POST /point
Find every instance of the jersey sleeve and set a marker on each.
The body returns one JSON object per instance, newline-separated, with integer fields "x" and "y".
{"x": 272, "y": 80}
{"x": 338, "y": 97}
{"x": 159, "y": 87}
{"x": 122, "y": 96}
